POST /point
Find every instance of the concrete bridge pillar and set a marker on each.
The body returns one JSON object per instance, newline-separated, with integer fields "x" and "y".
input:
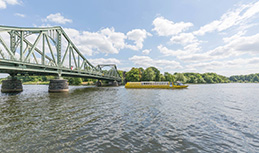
{"x": 12, "y": 85}
{"x": 115, "y": 83}
{"x": 110, "y": 83}
{"x": 98, "y": 83}
{"x": 58, "y": 85}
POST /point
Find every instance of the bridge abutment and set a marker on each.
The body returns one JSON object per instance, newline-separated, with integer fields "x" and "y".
{"x": 11, "y": 85}
{"x": 58, "y": 85}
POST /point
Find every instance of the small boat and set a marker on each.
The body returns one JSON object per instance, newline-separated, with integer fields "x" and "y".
{"x": 162, "y": 85}
{"x": 179, "y": 85}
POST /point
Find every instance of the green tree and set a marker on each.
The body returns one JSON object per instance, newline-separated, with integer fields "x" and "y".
{"x": 121, "y": 75}
{"x": 180, "y": 77}
{"x": 255, "y": 79}
{"x": 169, "y": 77}
{"x": 208, "y": 78}
{"x": 141, "y": 73}
{"x": 192, "y": 79}
{"x": 162, "y": 77}
{"x": 44, "y": 78}
{"x": 200, "y": 79}
{"x": 149, "y": 74}
{"x": 157, "y": 73}
{"x": 133, "y": 75}
{"x": 74, "y": 81}
{"x": 217, "y": 79}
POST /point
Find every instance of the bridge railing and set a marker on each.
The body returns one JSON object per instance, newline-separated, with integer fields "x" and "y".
{"x": 46, "y": 50}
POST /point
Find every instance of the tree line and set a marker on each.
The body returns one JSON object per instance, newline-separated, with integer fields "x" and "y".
{"x": 153, "y": 74}
{"x": 245, "y": 78}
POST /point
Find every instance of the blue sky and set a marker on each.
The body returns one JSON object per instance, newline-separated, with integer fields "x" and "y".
{"x": 174, "y": 36}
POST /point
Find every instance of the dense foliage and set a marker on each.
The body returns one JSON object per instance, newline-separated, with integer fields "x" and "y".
{"x": 205, "y": 78}
{"x": 153, "y": 74}
{"x": 245, "y": 78}
{"x": 38, "y": 79}
{"x": 35, "y": 78}
{"x": 74, "y": 81}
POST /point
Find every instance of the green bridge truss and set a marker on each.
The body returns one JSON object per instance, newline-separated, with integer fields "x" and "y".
{"x": 47, "y": 51}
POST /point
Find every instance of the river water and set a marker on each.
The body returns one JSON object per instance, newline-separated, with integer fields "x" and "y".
{"x": 203, "y": 118}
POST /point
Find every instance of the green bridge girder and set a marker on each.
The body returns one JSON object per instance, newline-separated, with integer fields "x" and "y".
{"x": 47, "y": 51}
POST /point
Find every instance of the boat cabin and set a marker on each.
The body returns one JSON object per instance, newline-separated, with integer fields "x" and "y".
{"x": 154, "y": 83}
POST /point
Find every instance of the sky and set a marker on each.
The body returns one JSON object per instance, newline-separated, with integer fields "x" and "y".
{"x": 174, "y": 36}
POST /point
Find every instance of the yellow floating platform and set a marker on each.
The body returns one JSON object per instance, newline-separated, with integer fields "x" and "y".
{"x": 161, "y": 85}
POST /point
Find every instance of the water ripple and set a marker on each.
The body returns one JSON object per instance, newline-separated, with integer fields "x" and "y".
{"x": 203, "y": 118}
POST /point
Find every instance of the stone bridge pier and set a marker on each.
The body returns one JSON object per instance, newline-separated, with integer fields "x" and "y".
{"x": 58, "y": 85}
{"x": 98, "y": 83}
{"x": 14, "y": 85}
{"x": 11, "y": 85}
{"x": 55, "y": 85}
{"x": 114, "y": 83}
{"x": 110, "y": 83}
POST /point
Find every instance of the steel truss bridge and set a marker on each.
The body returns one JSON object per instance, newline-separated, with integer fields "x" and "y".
{"x": 47, "y": 51}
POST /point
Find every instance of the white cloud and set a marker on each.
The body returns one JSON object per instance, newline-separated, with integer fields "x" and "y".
{"x": 253, "y": 61}
{"x": 3, "y": 3}
{"x": 207, "y": 66}
{"x": 12, "y": 2}
{"x": 228, "y": 67}
{"x": 187, "y": 51}
{"x": 106, "y": 40}
{"x": 168, "y": 52}
{"x": 183, "y": 39}
{"x": 230, "y": 19}
{"x": 20, "y": 15}
{"x": 196, "y": 57}
{"x": 6, "y": 37}
{"x": 57, "y": 18}
{"x": 236, "y": 45}
{"x": 246, "y": 44}
{"x": 234, "y": 37}
{"x": 125, "y": 68}
{"x": 138, "y": 36}
{"x": 146, "y": 51}
{"x": 104, "y": 61}
{"x": 117, "y": 38}
{"x": 193, "y": 47}
{"x": 189, "y": 54}
{"x": 165, "y": 27}
{"x": 145, "y": 61}
{"x": 233, "y": 46}
{"x": 252, "y": 9}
